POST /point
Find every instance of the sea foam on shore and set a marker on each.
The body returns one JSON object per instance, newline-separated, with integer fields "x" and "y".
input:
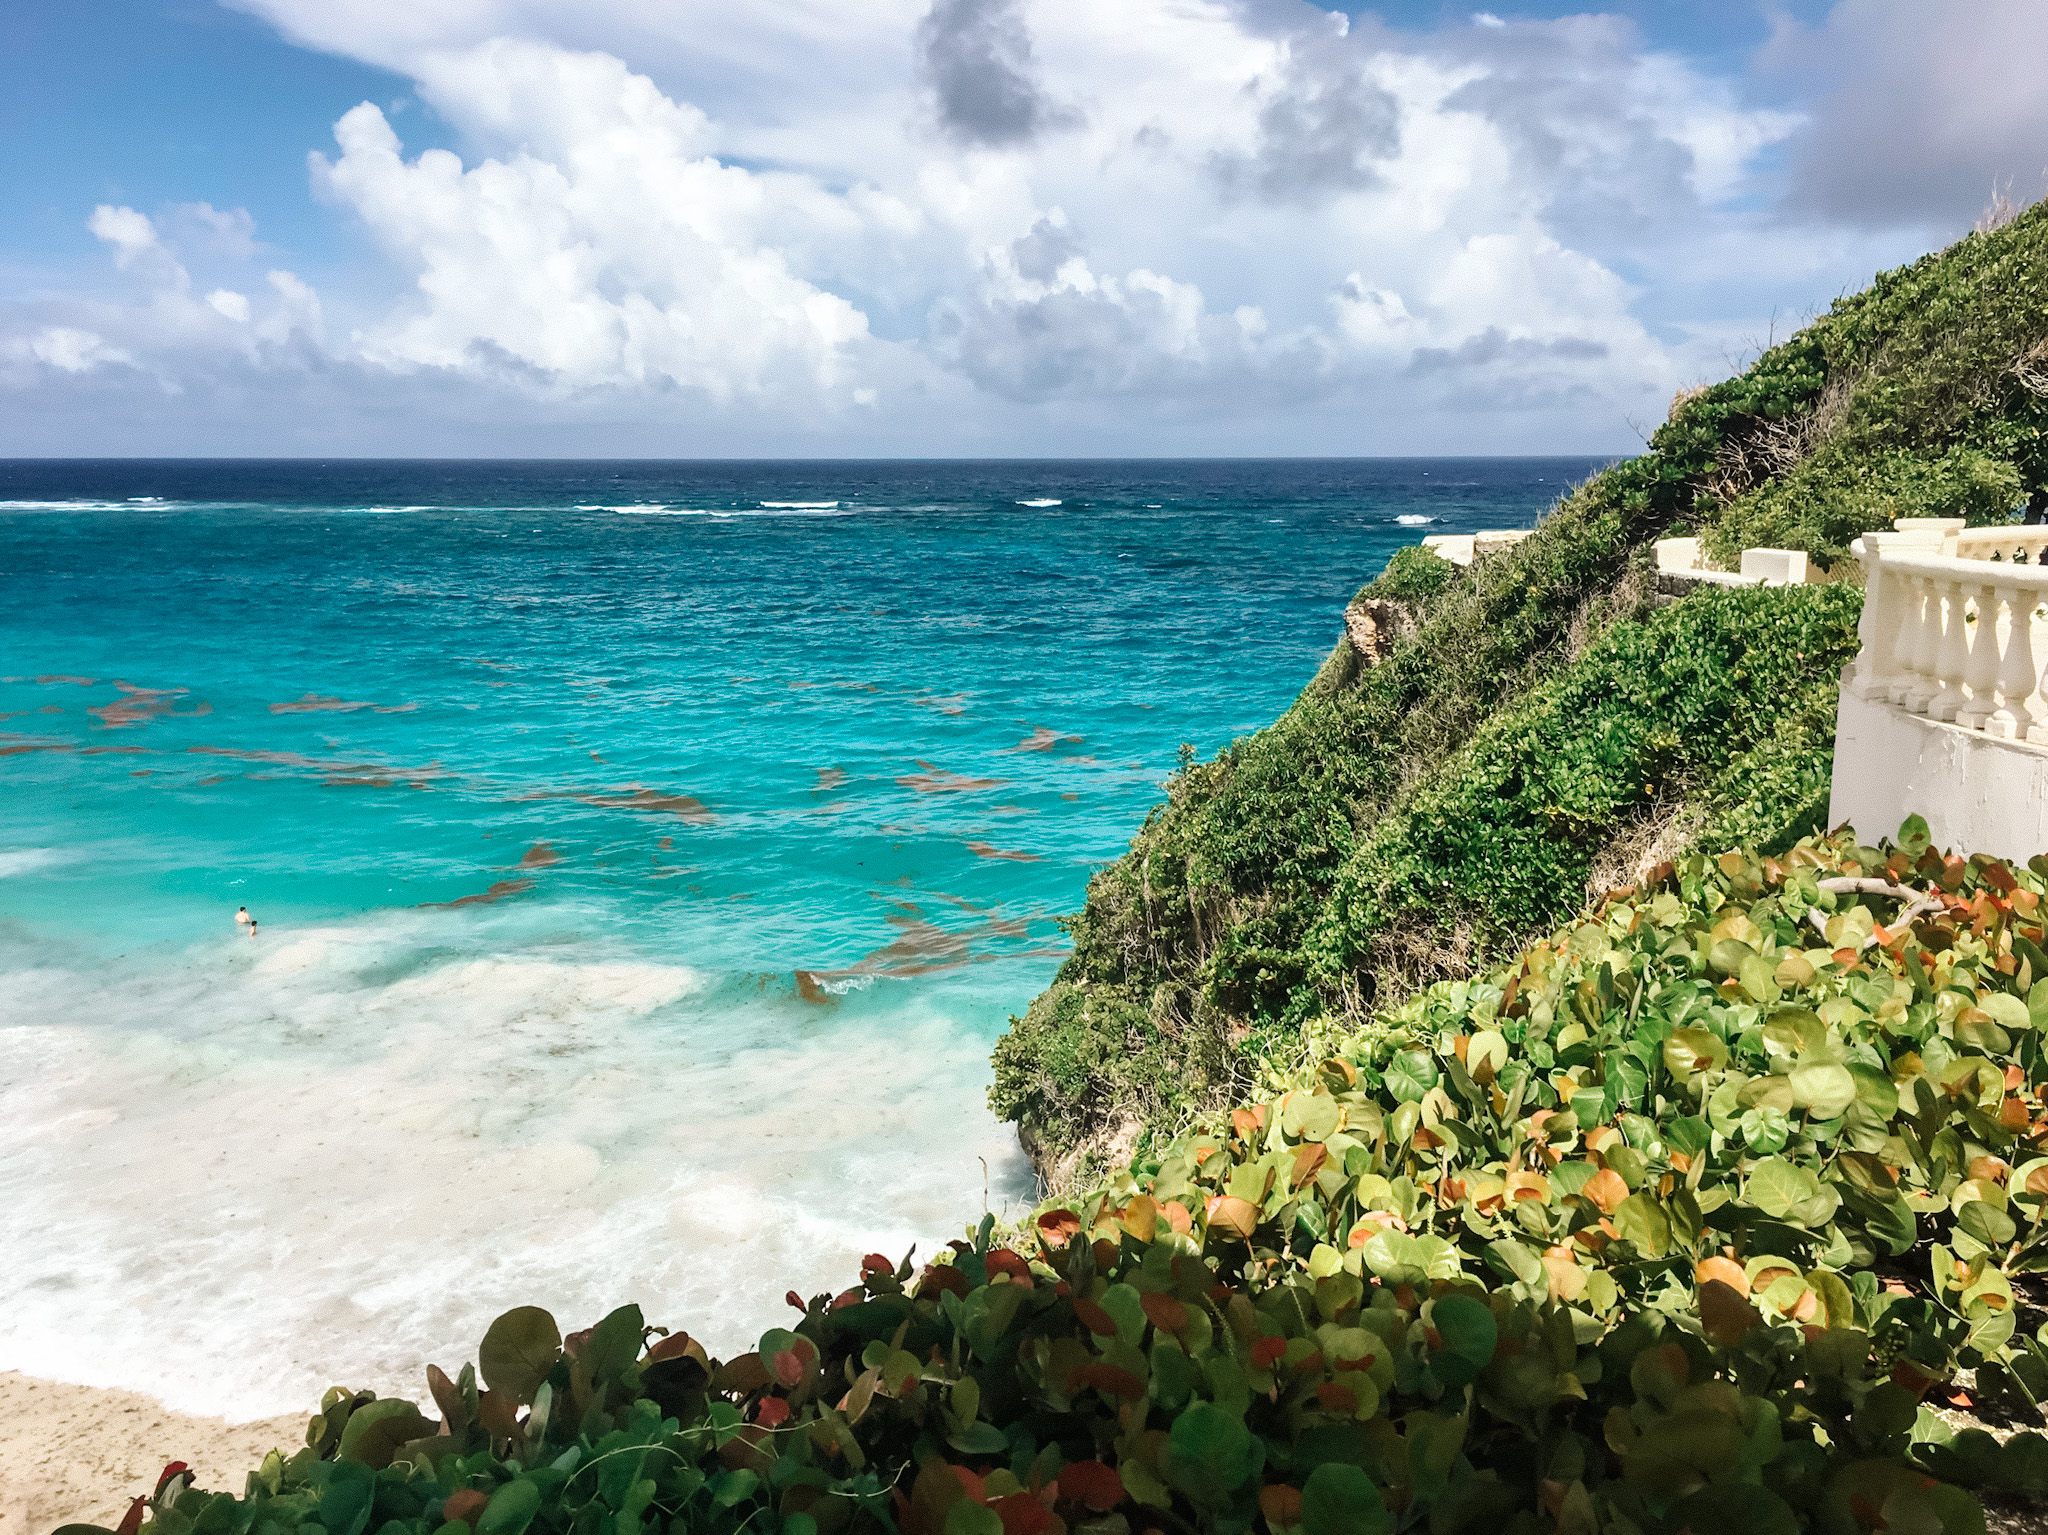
{"x": 331, "y": 1156}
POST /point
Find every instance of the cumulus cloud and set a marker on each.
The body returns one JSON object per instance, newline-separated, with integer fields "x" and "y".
{"x": 1326, "y": 126}
{"x": 976, "y": 56}
{"x": 1219, "y": 210}
{"x": 611, "y": 250}
{"x": 1924, "y": 110}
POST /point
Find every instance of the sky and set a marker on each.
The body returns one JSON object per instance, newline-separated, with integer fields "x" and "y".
{"x": 957, "y": 228}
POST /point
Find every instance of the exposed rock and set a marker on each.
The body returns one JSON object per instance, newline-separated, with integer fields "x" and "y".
{"x": 1100, "y": 1150}
{"x": 1374, "y": 624}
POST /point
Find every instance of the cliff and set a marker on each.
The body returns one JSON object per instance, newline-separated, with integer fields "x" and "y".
{"x": 1488, "y": 747}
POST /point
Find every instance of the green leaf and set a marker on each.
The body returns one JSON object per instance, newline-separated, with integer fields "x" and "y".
{"x": 1469, "y": 1334}
{"x": 1641, "y": 1220}
{"x": 2007, "y": 1010}
{"x": 968, "y": 1517}
{"x": 1778, "y": 1187}
{"x": 1823, "y": 1089}
{"x": 1735, "y": 1506}
{"x": 1209, "y": 1453}
{"x": 1411, "y": 1074}
{"x": 511, "y": 1508}
{"x": 518, "y": 1351}
{"x": 1340, "y": 1499}
{"x": 375, "y": 1430}
{"x": 1310, "y": 1116}
{"x": 1687, "y": 1051}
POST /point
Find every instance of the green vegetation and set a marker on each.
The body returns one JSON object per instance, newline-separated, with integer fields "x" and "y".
{"x": 1673, "y": 1222}
{"x": 1544, "y": 729}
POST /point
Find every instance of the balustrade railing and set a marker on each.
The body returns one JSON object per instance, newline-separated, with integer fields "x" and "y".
{"x": 1955, "y": 626}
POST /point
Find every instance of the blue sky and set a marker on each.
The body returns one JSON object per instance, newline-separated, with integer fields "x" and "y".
{"x": 956, "y": 226}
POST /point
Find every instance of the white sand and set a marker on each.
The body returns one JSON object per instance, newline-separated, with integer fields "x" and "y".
{"x": 77, "y": 1454}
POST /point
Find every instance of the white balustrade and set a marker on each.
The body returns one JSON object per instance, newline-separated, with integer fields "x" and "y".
{"x": 1951, "y": 635}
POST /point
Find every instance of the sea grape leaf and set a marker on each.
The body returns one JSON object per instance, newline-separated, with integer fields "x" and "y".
{"x": 1209, "y": 1453}
{"x": 1823, "y": 1089}
{"x": 1411, "y": 1074}
{"x": 1340, "y": 1499}
{"x": 1469, "y": 1334}
{"x": 518, "y": 1351}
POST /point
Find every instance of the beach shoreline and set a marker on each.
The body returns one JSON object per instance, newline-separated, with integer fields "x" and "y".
{"x": 77, "y": 1454}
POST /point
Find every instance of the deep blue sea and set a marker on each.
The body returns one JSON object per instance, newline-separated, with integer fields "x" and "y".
{"x": 645, "y": 857}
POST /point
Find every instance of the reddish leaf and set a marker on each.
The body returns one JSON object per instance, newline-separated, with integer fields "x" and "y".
{"x": 1110, "y": 1379}
{"x": 847, "y": 1298}
{"x": 875, "y": 1263}
{"x": 132, "y": 1520}
{"x": 1023, "y": 1514}
{"x": 1332, "y": 1397}
{"x": 1057, "y": 1226}
{"x": 175, "y": 1468}
{"x": 1166, "y": 1313}
{"x": 1280, "y": 1504}
{"x": 463, "y": 1507}
{"x": 795, "y": 1300}
{"x": 1094, "y": 1318}
{"x": 1267, "y": 1351}
{"x": 789, "y": 1368}
{"x": 1092, "y": 1483}
{"x": 671, "y": 1347}
{"x": 1002, "y": 1261}
{"x": 941, "y": 1276}
{"x": 772, "y": 1413}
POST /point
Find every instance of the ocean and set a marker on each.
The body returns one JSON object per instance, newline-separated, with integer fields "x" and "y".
{"x": 645, "y": 858}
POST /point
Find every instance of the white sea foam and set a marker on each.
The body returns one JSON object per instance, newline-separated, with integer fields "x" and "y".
{"x": 800, "y": 506}
{"x": 263, "y": 1167}
{"x": 1413, "y": 520}
{"x": 63, "y": 506}
{"x": 26, "y": 860}
{"x": 1041, "y": 502}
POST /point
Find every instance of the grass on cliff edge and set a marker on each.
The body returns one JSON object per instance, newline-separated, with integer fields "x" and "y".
{"x": 1402, "y": 824}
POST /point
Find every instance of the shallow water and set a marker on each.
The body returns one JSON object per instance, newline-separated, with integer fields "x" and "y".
{"x": 646, "y": 857}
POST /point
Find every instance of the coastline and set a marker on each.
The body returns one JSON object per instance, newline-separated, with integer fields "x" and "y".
{"x": 77, "y": 1454}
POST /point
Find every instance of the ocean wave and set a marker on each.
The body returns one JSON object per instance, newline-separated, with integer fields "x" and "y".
{"x": 379, "y": 1141}
{"x": 1413, "y": 520}
{"x": 1042, "y": 501}
{"x": 75, "y": 505}
{"x": 800, "y": 506}
{"x": 27, "y": 860}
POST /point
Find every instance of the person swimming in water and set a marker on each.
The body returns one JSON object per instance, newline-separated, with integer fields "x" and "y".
{"x": 245, "y": 921}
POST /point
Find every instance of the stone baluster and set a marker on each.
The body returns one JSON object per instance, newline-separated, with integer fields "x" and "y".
{"x": 1952, "y": 661}
{"x": 2013, "y": 719}
{"x": 1877, "y": 628}
{"x": 1982, "y": 673}
{"x": 1921, "y": 647}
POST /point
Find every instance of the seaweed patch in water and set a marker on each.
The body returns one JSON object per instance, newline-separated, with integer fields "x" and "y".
{"x": 497, "y": 892}
{"x": 936, "y": 780}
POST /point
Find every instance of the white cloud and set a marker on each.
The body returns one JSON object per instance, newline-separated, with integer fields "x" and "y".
{"x": 71, "y": 350}
{"x": 1218, "y": 209}
{"x": 131, "y": 234}
{"x": 612, "y": 250}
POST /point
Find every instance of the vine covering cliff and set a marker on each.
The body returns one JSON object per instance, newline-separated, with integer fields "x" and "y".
{"x": 1541, "y": 727}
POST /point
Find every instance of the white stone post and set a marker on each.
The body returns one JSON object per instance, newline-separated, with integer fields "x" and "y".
{"x": 1921, "y": 681}
{"x": 1952, "y": 661}
{"x": 1981, "y": 676}
{"x": 2013, "y": 720}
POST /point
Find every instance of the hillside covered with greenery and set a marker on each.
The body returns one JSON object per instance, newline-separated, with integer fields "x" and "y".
{"x": 1546, "y": 727}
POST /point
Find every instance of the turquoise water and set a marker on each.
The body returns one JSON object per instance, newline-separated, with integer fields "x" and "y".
{"x": 646, "y": 857}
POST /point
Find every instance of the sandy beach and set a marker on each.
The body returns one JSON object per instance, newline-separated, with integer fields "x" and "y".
{"x": 77, "y": 1454}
